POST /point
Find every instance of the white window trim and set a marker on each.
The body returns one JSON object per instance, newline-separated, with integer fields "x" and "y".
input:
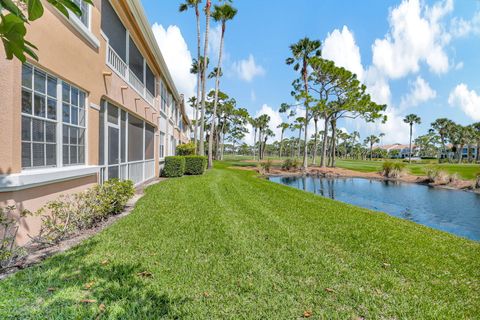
{"x": 82, "y": 29}
{"x": 39, "y": 177}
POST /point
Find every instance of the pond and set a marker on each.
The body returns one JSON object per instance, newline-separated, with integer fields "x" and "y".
{"x": 453, "y": 211}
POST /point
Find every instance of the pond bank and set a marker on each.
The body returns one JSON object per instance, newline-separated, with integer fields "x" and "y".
{"x": 465, "y": 185}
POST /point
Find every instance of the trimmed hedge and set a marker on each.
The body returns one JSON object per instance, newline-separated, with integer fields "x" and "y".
{"x": 174, "y": 167}
{"x": 195, "y": 165}
{"x": 186, "y": 149}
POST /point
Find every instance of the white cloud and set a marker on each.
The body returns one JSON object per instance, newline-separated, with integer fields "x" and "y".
{"x": 460, "y": 27}
{"x": 416, "y": 35}
{"x": 340, "y": 47}
{"x": 467, "y": 100}
{"x": 177, "y": 57}
{"x": 247, "y": 69}
{"x": 420, "y": 91}
{"x": 459, "y": 66}
{"x": 214, "y": 37}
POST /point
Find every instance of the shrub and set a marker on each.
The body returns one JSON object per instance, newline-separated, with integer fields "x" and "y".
{"x": 83, "y": 210}
{"x": 289, "y": 164}
{"x": 453, "y": 178}
{"x": 195, "y": 165}
{"x": 174, "y": 167}
{"x": 266, "y": 166}
{"x": 477, "y": 182}
{"x": 186, "y": 149}
{"x": 393, "y": 169}
{"x": 10, "y": 253}
{"x": 437, "y": 176}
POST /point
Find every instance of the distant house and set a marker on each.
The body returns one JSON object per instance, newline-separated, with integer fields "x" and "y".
{"x": 469, "y": 151}
{"x": 402, "y": 151}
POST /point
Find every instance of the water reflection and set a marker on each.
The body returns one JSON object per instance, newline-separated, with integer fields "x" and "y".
{"x": 453, "y": 211}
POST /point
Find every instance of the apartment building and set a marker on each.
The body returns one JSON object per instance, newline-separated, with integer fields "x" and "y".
{"x": 99, "y": 103}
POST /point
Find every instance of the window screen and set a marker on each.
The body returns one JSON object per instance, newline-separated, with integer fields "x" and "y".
{"x": 149, "y": 141}
{"x": 135, "y": 139}
{"x": 112, "y": 26}
{"x": 150, "y": 80}
{"x": 135, "y": 60}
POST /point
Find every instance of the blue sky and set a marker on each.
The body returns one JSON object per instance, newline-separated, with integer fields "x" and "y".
{"x": 416, "y": 56}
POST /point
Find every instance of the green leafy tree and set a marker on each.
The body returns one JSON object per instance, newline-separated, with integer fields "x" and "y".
{"x": 302, "y": 52}
{"x": 14, "y": 15}
{"x": 411, "y": 119}
{"x": 284, "y": 126}
{"x": 442, "y": 127}
{"x": 371, "y": 141}
{"x": 222, "y": 14}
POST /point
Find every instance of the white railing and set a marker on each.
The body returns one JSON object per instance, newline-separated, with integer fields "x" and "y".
{"x": 116, "y": 63}
{"x": 121, "y": 68}
{"x": 135, "y": 172}
{"x": 149, "y": 169}
{"x": 136, "y": 83}
{"x": 150, "y": 98}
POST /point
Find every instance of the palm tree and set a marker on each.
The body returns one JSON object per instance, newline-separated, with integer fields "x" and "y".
{"x": 381, "y": 135}
{"x": 184, "y": 7}
{"x": 201, "y": 149}
{"x": 298, "y": 125}
{"x": 411, "y": 119}
{"x": 371, "y": 140}
{"x": 254, "y": 124}
{"x": 222, "y": 14}
{"x": 268, "y": 133}
{"x": 262, "y": 122}
{"x": 476, "y": 127}
{"x": 284, "y": 126}
{"x": 442, "y": 127}
{"x": 302, "y": 52}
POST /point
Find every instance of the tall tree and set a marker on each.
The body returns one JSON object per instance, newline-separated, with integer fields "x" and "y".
{"x": 442, "y": 127}
{"x": 302, "y": 52}
{"x": 284, "y": 126}
{"x": 222, "y": 14}
{"x": 262, "y": 122}
{"x": 207, "y": 9}
{"x": 298, "y": 125}
{"x": 371, "y": 140}
{"x": 411, "y": 119}
{"x": 476, "y": 127}
{"x": 194, "y": 4}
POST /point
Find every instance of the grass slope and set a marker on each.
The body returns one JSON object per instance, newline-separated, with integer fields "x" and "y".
{"x": 230, "y": 245}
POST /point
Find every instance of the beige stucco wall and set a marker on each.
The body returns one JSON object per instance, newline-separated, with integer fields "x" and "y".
{"x": 33, "y": 199}
{"x": 65, "y": 53}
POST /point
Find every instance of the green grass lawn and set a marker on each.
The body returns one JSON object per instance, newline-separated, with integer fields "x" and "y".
{"x": 231, "y": 245}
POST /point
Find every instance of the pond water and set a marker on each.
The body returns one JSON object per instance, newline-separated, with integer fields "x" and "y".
{"x": 454, "y": 211}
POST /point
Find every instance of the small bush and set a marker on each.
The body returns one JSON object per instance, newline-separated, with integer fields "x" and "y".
{"x": 186, "y": 149}
{"x": 265, "y": 166}
{"x": 437, "y": 176}
{"x": 393, "y": 169}
{"x": 453, "y": 178}
{"x": 195, "y": 165}
{"x": 70, "y": 213}
{"x": 174, "y": 167}
{"x": 289, "y": 164}
{"x": 9, "y": 252}
{"x": 477, "y": 182}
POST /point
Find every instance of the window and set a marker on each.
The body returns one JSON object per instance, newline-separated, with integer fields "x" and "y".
{"x": 135, "y": 61}
{"x": 85, "y": 17}
{"x": 163, "y": 96}
{"x": 135, "y": 138}
{"x": 161, "y": 149}
{"x": 149, "y": 142}
{"x": 150, "y": 83}
{"x": 113, "y": 28}
{"x": 42, "y": 126}
{"x": 73, "y": 116}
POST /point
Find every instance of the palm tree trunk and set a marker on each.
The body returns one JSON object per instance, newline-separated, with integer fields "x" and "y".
{"x": 299, "y": 142}
{"x": 410, "y": 150}
{"x": 305, "y": 148}
{"x": 199, "y": 77}
{"x": 314, "y": 156}
{"x": 281, "y": 145}
{"x": 478, "y": 151}
{"x": 215, "y": 101}
{"x": 334, "y": 140}
{"x": 204, "y": 82}
{"x": 254, "y": 142}
{"x": 324, "y": 144}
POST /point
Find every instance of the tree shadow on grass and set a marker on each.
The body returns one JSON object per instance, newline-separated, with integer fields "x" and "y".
{"x": 67, "y": 286}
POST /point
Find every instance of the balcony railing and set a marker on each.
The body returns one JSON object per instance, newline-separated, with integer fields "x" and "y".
{"x": 121, "y": 68}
